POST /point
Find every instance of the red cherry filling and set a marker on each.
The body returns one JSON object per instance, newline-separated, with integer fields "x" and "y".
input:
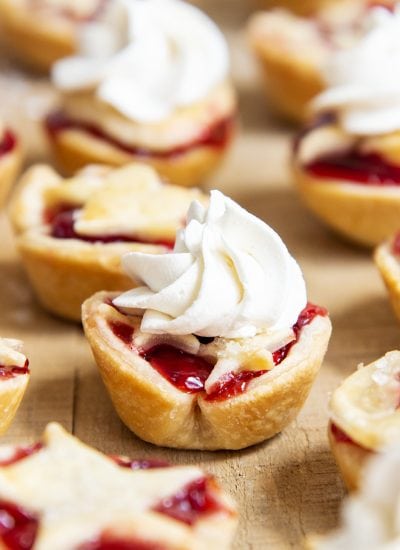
{"x": 110, "y": 542}
{"x": 20, "y": 453}
{"x": 191, "y": 503}
{"x": 10, "y": 371}
{"x": 233, "y": 384}
{"x": 18, "y": 527}
{"x": 122, "y": 331}
{"x": 142, "y": 464}
{"x": 62, "y": 218}
{"x": 216, "y": 136}
{"x": 355, "y": 167}
{"x": 342, "y": 437}
{"x": 8, "y": 143}
{"x": 184, "y": 370}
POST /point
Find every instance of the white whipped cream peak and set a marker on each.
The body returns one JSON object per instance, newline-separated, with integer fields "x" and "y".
{"x": 364, "y": 80}
{"x": 371, "y": 518}
{"x": 161, "y": 55}
{"x": 229, "y": 275}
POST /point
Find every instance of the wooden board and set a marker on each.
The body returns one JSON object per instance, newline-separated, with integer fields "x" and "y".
{"x": 289, "y": 486}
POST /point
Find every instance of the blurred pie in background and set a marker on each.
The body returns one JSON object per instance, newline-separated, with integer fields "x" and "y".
{"x": 10, "y": 160}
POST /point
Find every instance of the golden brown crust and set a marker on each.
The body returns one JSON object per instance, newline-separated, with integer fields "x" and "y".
{"x": 305, "y": 7}
{"x": 74, "y": 149}
{"x": 34, "y": 39}
{"x": 364, "y": 214}
{"x": 158, "y": 412}
{"x": 389, "y": 268}
{"x": 350, "y": 458}
{"x": 10, "y": 165}
{"x": 11, "y": 394}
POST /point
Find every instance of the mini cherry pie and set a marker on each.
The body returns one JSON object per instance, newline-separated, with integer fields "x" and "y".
{"x": 10, "y": 161}
{"x": 14, "y": 378}
{"x": 365, "y": 415}
{"x": 72, "y": 233}
{"x": 60, "y": 493}
{"x": 204, "y": 393}
{"x": 39, "y": 32}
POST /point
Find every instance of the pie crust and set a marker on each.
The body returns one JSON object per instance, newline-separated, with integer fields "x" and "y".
{"x": 365, "y": 416}
{"x": 158, "y": 412}
{"x": 10, "y": 164}
{"x": 175, "y": 147}
{"x": 389, "y": 268}
{"x": 72, "y": 496}
{"x": 363, "y": 213}
{"x": 14, "y": 378}
{"x": 64, "y": 272}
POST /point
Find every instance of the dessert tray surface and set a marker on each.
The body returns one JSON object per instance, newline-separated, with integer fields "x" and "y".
{"x": 288, "y": 486}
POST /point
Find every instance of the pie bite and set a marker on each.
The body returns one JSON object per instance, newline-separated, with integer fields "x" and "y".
{"x": 14, "y": 378}
{"x": 39, "y": 32}
{"x": 387, "y": 258}
{"x": 71, "y": 233}
{"x": 365, "y": 416}
{"x": 295, "y": 48}
{"x": 10, "y": 161}
{"x": 211, "y": 353}
{"x": 347, "y": 161}
{"x": 176, "y": 113}
{"x": 60, "y": 493}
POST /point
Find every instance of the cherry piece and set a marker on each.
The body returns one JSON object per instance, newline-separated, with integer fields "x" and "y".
{"x": 110, "y": 542}
{"x": 233, "y": 384}
{"x": 184, "y": 370}
{"x": 216, "y": 136}
{"x": 20, "y": 453}
{"x": 141, "y": 464}
{"x": 341, "y": 436}
{"x": 8, "y": 143}
{"x": 11, "y": 371}
{"x": 191, "y": 502}
{"x": 122, "y": 331}
{"x": 18, "y": 527}
{"x": 62, "y": 220}
{"x": 356, "y": 167}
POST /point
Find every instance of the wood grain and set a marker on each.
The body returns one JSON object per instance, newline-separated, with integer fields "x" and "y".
{"x": 289, "y": 486}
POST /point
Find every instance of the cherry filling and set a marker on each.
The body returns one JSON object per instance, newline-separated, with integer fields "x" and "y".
{"x": 10, "y": 371}
{"x": 110, "y": 542}
{"x": 8, "y": 143}
{"x": 122, "y": 331}
{"x": 216, "y": 136}
{"x": 61, "y": 220}
{"x": 191, "y": 503}
{"x": 357, "y": 167}
{"x": 185, "y": 371}
{"x": 18, "y": 527}
{"x": 141, "y": 464}
{"x": 20, "y": 453}
{"x": 342, "y": 437}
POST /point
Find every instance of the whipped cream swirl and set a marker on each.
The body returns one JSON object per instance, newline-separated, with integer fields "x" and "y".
{"x": 229, "y": 275}
{"x": 371, "y": 518}
{"x": 364, "y": 80}
{"x": 160, "y": 55}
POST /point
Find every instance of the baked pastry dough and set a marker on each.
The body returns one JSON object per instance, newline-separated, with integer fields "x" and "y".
{"x": 72, "y": 233}
{"x": 10, "y": 161}
{"x": 365, "y": 415}
{"x": 387, "y": 259}
{"x": 294, "y": 50}
{"x": 351, "y": 183}
{"x": 14, "y": 378}
{"x": 39, "y": 32}
{"x": 200, "y": 393}
{"x": 60, "y": 493}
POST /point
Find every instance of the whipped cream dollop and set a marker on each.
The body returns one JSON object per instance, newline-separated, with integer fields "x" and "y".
{"x": 371, "y": 518}
{"x": 364, "y": 80}
{"x": 229, "y": 275}
{"x": 159, "y": 55}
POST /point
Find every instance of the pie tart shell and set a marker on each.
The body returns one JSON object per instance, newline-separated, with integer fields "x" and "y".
{"x": 365, "y": 214}
{"x": 10, "y": 165}
{"x": 158, "y": 412}
{"x": 303, "y": 7}
{"x": 36, "y": 41}
{"x": 389, "y": 269}
{"x": 351, "y": 459}
{"x": 73, "y": 149}
{"x": 11, "y": 393}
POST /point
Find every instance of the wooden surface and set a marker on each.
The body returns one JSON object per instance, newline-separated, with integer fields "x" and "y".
{"x": 289, "y": 486}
